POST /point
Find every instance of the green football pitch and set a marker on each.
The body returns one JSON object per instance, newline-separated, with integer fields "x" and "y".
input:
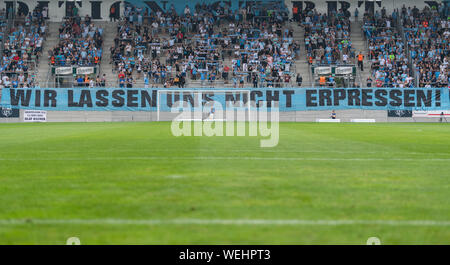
{"x": 136, "y": 183}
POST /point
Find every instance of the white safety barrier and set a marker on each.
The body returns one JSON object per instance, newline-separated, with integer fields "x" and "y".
{"x": 430, "y": 113}
{"x": 328, "y": 120}
{"x": 362, "y": 120}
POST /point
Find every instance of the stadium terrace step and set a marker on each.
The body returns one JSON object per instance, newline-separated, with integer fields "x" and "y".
{"x": 301, "y": 64}
{"x": 109, "y": 33}
{"x": 359, "y": 43}
{"x": 42, "y": 74}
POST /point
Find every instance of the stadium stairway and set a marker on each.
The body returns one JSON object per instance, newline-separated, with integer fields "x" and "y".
{"x": 301, "y": 64}
{"x": 359, "y": 43}
{"x": 42, "y": 73}
{"x": 109, "y": 32}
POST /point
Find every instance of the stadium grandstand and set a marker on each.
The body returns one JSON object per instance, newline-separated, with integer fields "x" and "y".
{"x": 212, "y": 44}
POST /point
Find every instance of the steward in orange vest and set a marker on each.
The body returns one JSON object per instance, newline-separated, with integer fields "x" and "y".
{"x": 360, "y": 61}
{"x": 322, "y": 80}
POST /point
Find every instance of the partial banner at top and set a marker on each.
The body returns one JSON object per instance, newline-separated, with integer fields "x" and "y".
{"x": 288, "y": 99}
{"x": 179, "y": 5}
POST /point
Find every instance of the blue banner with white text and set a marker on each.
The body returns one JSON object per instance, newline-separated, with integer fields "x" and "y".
{"x": 288, "y": 99}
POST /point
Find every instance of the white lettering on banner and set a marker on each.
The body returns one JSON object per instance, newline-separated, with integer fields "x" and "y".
{"x": 35, "y": 116}
{"x": 430, "y": 113}
{"x": 63, "y": 70}
{"x": 85, "y": 70}
{"x": 344, "y": 70}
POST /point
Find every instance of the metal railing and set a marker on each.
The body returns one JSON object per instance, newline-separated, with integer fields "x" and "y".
{"x": 140, "y": 84}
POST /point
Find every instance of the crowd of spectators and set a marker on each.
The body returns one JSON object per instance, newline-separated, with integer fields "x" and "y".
{"x": 327, "y": 37}
{"x": 80, "y": 43}
{"x": 263, "y": 53}
{"x": 207, "y": 44}
{"x": 387, "y": 51}
{"x": 21, "y": 44}
{"x": 427, "y": 36}
{"x": 3, "y": 28}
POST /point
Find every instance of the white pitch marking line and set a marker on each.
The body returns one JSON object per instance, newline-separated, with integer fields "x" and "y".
{"x": 222, "y": 222}
{"x": 222, "y": 158}
{"x": 233, "y": 151}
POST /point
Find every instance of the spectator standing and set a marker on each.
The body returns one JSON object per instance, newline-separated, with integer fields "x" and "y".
{"x": 369, "y": 82}
{"x": 112, "y": 14}
{"x": 360, "y": 58}
{"x": 333, "y": 114}
{"x": 299, "y": 80}
{"x": 255, "y": 81}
